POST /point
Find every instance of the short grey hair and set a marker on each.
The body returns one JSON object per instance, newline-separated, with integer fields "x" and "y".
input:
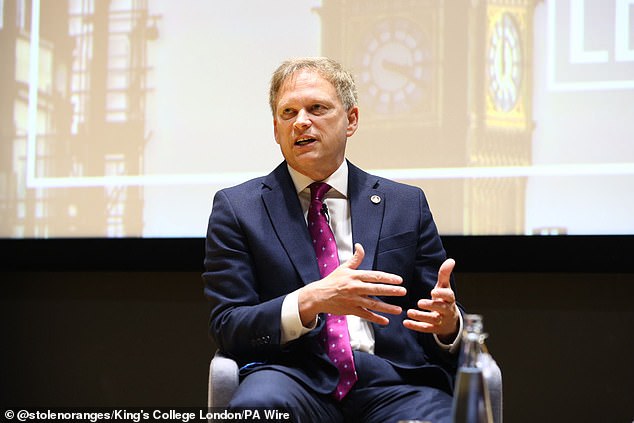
{"x": 327, "y": 68}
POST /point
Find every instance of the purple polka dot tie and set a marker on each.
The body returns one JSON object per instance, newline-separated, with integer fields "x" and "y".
{"x": 335, "y": 333}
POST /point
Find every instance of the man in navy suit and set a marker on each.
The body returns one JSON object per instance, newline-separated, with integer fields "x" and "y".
{"x": 394, "y": 284}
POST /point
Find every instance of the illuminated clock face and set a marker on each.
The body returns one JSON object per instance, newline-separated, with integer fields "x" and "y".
{"x": 504, "y": 63}
{"x": 395, "y": 68}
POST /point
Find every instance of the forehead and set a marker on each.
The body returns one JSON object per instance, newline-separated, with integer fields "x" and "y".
{"x": 307, "y": 85}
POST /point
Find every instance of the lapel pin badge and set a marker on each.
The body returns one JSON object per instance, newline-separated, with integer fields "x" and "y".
{"x": 375, "y": 199}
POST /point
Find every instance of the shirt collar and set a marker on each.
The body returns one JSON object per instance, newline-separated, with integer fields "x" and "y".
{"x": 338, "y": 180}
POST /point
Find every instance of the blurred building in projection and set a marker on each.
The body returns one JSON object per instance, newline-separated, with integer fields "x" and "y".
{"x": 87, "y": 115}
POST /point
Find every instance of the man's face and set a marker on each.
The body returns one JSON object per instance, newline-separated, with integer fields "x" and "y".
{"x": 311, "y": 125}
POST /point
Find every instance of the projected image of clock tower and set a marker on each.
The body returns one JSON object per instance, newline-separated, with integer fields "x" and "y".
{"x": 442, "y": 84}
{"x": 501, "y": 123}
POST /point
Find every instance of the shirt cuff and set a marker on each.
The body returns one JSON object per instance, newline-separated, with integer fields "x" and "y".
{"x": 453, "y": 347}
{"x": 291, "y": 322}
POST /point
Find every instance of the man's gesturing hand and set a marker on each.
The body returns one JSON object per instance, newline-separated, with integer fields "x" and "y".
{"x": 440, "y": 314}
{"x": 348, "y": 290}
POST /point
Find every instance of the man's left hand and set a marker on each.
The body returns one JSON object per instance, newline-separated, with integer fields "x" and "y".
{"x": 440, "y": 314}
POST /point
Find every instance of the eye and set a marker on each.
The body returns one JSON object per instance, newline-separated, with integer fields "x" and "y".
{"x": 288, "y": 113}
{"x": 318, "y": 109}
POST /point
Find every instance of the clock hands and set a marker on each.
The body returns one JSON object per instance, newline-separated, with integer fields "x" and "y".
{"x": 403, "y": 70}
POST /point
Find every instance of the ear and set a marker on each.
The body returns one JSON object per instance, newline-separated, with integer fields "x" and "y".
{"x": 353, "y": 121}
{"x": 275, "y": 130}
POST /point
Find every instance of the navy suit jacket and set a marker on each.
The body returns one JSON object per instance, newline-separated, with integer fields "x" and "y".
{"x": 258, "y": 250}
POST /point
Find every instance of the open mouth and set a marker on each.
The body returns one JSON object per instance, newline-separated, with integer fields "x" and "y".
{"x": 305, "y": 141}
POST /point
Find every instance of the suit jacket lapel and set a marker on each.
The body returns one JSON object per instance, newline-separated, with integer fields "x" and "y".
{"x": 285, "y": 213}
{"x": 287, "y": 218}
{"x": 367, "y": 204}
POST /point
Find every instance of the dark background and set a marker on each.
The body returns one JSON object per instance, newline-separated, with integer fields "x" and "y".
{"x": 123, "y": 323}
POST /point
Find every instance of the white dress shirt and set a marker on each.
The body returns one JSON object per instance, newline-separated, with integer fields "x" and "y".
{"x": 361, "y": 333}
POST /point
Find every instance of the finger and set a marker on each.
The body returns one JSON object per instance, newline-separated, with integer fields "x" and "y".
{"x": 382, "y": 285}
{"x": 376, "y": 305}
{"x": 369, "y": 290}
{"x": 443, "y": 294}
{"x": 432, "y": 318}
{"x": 356, "y": 259}
{"x": 370, "y": 313}
{"x": 376, "y": 276}
{"x": 428, "y": 322}
{"x": 367, "y": 308}
{"x": 439, "y": 306}
{"x": 419, "y": 326}
{"x": 444, "y": 273}
{"x": 371, "y": 317}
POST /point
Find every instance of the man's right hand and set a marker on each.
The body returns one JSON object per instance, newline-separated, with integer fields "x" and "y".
{"x": 348, "y": 290}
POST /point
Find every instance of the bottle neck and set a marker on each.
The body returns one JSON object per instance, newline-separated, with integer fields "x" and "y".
{"x": 472, "y": 349}
{"x": 472, "y": 340}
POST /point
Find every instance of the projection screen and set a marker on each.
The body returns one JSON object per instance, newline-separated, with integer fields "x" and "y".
{"x": 123, "y": 118}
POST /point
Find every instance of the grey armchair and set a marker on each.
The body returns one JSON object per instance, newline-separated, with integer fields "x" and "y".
{"x": 223, "y": 381}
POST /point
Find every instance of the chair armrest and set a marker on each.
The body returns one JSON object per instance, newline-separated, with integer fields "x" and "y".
{"x": 223, "y": 380}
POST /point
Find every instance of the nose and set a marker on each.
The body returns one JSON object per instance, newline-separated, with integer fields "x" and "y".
{"x": 302, "y": 120}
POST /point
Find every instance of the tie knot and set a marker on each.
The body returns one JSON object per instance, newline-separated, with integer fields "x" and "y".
{"x": 318, "y": 190}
